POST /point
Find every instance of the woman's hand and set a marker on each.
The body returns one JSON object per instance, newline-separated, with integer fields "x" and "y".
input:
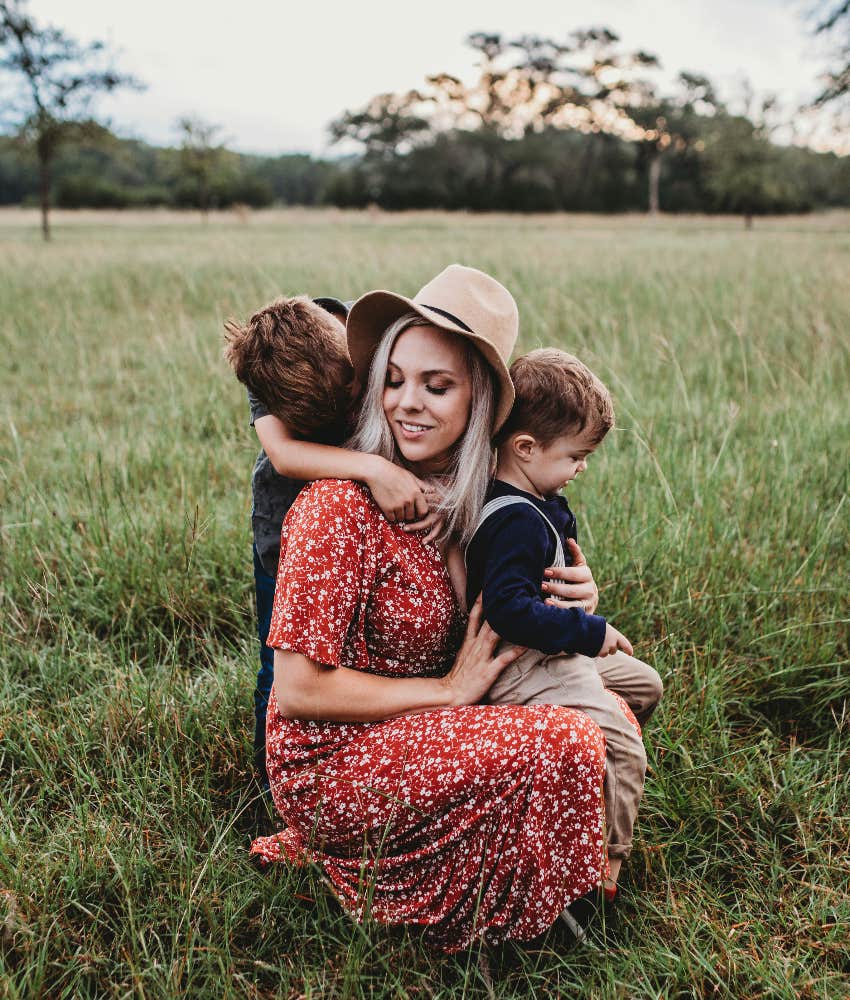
{"x": 305, "y": 689}
{"x": 571, "y": 586}
{"x": 399, "y": 494}
{"x": 476, "y": 669}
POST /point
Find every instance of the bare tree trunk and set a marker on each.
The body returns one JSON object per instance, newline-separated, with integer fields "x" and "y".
{"x": 204, "y": 199}
{"x": 587, "y": 157}
{"x": 654, "y": 180}
{"x": 44, "y": 192}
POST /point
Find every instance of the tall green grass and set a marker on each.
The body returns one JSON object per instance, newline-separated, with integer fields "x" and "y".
{"x": 716, "y": 519}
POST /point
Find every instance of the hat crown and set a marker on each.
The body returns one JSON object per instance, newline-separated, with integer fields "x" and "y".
{"x": 480, "y": 303}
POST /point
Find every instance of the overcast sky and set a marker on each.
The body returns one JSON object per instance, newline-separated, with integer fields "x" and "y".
{"x": 274, "y": 73}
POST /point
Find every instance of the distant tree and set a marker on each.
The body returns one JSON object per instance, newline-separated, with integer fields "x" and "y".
{"x": 55, "y": 80}
{"x": 201, "y": 158}
{"x": 671, "y": 124}
{"x": 389, "y": 126}
{"x": 746, "y": 172}
{"x": 295, "y": 178}
{"x": 532, "y": 83}
{"x": 525, "y": 85}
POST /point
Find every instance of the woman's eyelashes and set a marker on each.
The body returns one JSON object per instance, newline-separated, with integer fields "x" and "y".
{"x": 436, "y": 390}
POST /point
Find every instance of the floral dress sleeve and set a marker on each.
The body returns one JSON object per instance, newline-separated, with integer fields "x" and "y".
{"x": 325, "y": 575}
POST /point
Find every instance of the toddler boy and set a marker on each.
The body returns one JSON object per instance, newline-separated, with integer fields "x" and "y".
{"x": 575, "y": 658}
{"x": 293, "y": 359}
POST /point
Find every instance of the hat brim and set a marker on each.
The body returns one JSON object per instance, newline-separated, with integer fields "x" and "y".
{"x": 373, "y": 312}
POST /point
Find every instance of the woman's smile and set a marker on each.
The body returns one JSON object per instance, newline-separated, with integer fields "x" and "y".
{"x": 412, "y": 431}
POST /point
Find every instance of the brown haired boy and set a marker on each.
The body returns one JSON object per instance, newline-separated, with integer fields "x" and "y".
{"x": 561, "y": 414}
{"x": 292, "y": 357}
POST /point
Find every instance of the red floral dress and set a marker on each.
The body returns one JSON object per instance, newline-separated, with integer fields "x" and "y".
{"x": 476, "y": 821}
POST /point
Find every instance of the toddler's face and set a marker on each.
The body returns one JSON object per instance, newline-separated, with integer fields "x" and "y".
{"x": 558, "y": 463}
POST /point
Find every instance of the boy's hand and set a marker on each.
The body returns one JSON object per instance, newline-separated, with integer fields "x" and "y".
{"x": 431, "y": 524}
{"x": 613, "y": 641}
{"x": 568, "y": 586}
{"x": 399, "y": 494}
{"x": 433, "y": 521}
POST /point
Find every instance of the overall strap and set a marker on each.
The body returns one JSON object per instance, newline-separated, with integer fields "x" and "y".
{"x": 498, "y": 503}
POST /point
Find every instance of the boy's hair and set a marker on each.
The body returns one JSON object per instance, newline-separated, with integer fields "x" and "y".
{"x": 293, "y": 355}
{"x": 556, "y": 394}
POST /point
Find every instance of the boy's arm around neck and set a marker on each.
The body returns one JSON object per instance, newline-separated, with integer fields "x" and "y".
{"x": 396, "y": 491}
{"x": 308, "y": 460}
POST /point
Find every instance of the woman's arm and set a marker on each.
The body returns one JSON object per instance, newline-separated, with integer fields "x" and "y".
{"x": 571, "y": 586}
{"x": 399, "y": 494}
{"x": 305, "y": 689}
{"x": 457, "y": 573}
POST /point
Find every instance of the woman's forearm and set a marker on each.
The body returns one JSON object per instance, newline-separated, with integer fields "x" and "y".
{"x": 305, "y": 689}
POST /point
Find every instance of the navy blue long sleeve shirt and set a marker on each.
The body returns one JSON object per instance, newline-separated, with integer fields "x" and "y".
{"x": 505, "y": 563}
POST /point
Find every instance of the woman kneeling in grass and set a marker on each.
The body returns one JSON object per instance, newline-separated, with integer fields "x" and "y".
{"x": 423, "y": 807}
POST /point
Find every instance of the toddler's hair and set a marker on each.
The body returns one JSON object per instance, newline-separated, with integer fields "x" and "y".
{"x": 556, "y": 394}
{"x": 293, "y": 355}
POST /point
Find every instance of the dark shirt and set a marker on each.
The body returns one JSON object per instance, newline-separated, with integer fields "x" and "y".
{"x": 505, "y": 562}
{"x": 271, "y": 493}
{"x": 272, "y": 496}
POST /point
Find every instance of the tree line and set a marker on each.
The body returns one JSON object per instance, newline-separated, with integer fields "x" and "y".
{"x": 548, "y": 125}
{"x": 111, "y": 172}
{"x": 578, "y": 125}
{"x": 556, "y": 170}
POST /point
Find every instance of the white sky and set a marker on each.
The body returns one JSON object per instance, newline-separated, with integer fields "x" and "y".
{"x": 273, "y": 73}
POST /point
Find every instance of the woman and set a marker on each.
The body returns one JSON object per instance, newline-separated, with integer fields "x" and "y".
{"x": 422, "y": 806}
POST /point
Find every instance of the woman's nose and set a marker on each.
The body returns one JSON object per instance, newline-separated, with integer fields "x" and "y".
{"x": 411, "y": 397}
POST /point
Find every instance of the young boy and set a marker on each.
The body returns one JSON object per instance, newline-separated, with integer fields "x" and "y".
{"x": 561, "y": 415}
{"x": 293, "y": 358}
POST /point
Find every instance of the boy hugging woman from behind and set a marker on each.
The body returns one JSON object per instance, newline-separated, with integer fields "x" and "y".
{"x": 293, "y": 359}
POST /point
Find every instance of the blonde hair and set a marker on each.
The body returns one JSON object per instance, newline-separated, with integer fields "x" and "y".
{"x": 465, "y": 484}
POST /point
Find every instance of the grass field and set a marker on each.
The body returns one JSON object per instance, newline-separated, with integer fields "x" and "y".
{"x": 716, "y": 519}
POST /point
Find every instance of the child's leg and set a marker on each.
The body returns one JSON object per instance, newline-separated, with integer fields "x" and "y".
{"x": 574, "y": 682}
{"x": 633, "y": 680}
{"x": 625, "y": 758}
{"x": 264, "y": 586}
{"x": 521, "y": 681}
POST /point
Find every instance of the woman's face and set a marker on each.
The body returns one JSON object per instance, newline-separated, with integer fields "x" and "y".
{"x": 427, "y": 395}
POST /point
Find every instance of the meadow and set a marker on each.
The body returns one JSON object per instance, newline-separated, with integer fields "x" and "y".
{"x": 716, "y": 519}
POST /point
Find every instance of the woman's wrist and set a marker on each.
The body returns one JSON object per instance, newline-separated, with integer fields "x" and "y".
{"x": 439, "y": 695}
{"x": 448, "y": 692}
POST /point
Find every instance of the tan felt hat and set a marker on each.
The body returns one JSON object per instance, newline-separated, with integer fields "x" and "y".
{"x": 461, "y": 299}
